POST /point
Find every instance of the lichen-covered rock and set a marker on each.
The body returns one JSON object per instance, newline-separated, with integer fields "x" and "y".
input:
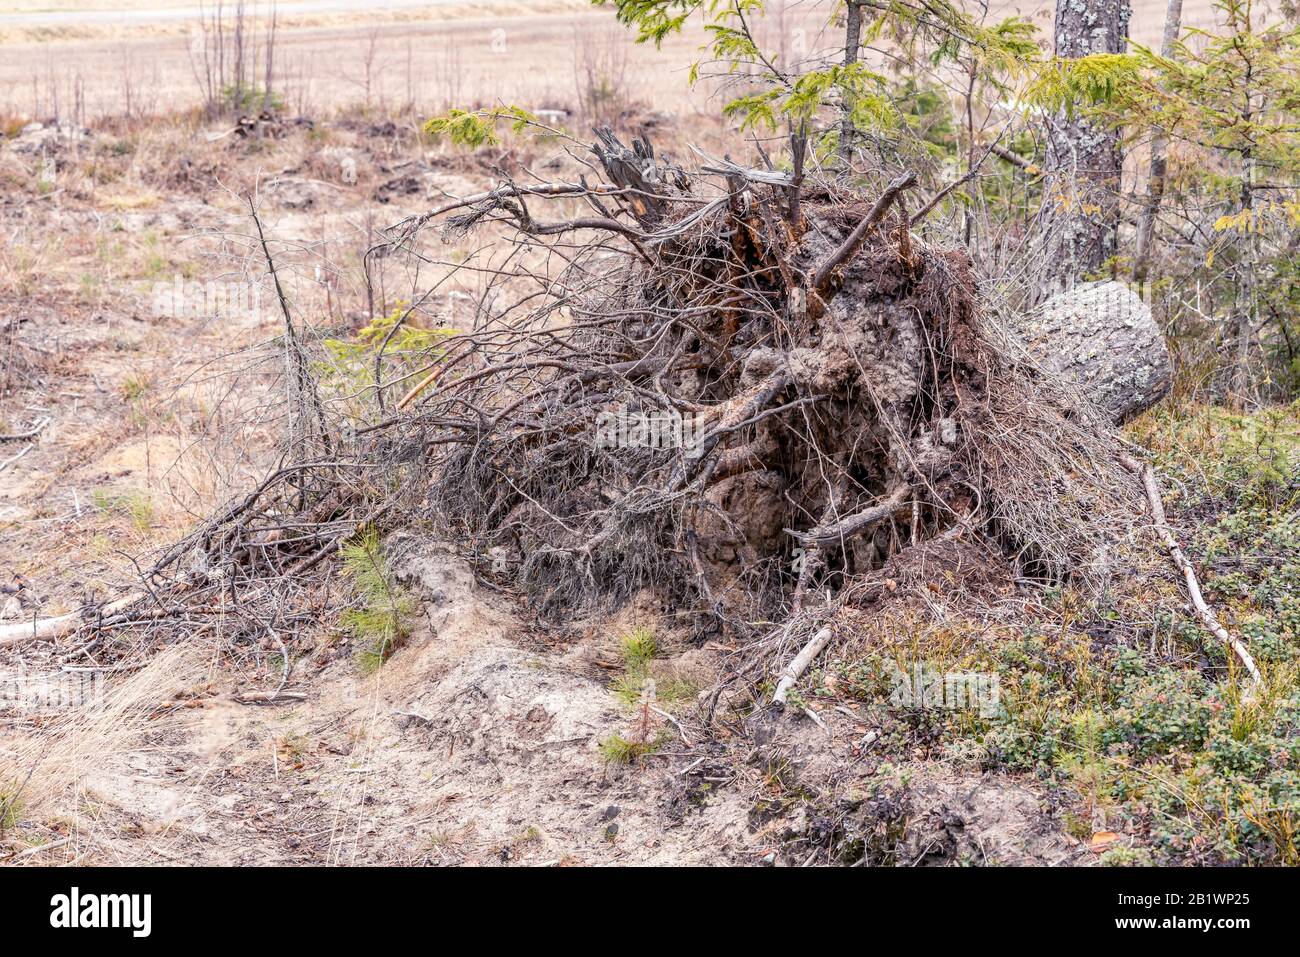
{"x": 1101, "y": 338}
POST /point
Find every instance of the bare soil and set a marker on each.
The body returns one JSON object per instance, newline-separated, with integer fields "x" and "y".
{"x": 478, "y": 744}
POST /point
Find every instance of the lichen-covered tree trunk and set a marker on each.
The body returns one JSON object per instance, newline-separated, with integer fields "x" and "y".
{"x": 1080, "y": 214}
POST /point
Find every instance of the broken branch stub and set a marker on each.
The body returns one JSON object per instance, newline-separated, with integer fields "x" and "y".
{"x": 795, "y": 669}
{"x": 636, "y": 170}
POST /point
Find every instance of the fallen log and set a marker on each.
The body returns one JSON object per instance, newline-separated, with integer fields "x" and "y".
{"x": 1101, "y": 338}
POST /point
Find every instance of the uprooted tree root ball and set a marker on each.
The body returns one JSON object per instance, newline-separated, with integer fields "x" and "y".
{"x": 828, "y": 388}
{"x": 834, "y": 390}
{"x": 742, "y": 398}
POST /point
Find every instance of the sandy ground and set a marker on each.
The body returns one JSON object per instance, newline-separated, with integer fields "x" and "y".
{"x": 478, "y": 743}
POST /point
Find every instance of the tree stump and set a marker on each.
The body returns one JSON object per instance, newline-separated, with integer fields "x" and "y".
{"x": 1100, "y": 337}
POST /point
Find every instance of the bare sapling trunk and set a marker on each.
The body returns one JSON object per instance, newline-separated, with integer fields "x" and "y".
{"x": 1159, "y": 160}
{"x": 1241, "y": 332}
{"x": 852, "y": 43}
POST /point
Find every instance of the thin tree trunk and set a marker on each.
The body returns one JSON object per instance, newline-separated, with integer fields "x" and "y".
{"x": 1242, "y": 331}
{"x": 1159, "y": 159}
{"x": 1080, "y": 214}
{"x": 270, "y": 59}
{"x": 852, "y": 42}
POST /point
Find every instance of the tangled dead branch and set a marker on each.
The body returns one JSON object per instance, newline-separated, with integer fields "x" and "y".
{"x": 731, "y": 401}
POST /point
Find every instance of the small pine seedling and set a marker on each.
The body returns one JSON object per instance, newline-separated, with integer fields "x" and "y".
{"x": 381, "y": 623}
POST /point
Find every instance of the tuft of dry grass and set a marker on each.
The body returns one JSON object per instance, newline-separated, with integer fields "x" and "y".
{"x": 43, "y": 772}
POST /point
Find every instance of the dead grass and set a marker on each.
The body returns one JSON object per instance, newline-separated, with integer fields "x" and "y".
{"x": 44, "y": 772}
